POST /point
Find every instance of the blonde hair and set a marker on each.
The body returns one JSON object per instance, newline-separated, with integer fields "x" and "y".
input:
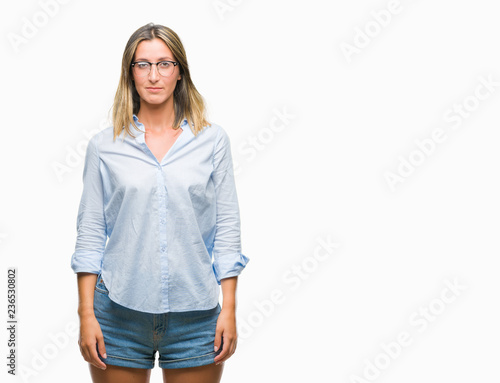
{"x": 188, "y": 102}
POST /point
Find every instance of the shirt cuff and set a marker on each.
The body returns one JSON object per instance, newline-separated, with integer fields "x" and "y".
{"x": 84, "y": 261}
{"x": 229, "y": 265}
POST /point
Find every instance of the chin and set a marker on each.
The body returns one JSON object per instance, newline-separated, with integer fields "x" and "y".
{"x": 154, "y": 100}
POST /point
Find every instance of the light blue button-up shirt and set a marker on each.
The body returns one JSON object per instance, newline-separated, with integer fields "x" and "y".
{"x": 161, "y": 234}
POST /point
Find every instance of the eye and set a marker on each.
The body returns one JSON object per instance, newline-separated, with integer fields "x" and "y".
{"x": 164, "y": 64}
{"x": 142, "y": 65}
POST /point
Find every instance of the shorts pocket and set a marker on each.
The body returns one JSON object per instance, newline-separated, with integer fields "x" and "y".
{"x": 100, "y": 286}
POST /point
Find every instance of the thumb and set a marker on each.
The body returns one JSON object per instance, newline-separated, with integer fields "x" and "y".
{"x": 218, "y": 339}
{"x": 101, "y": 347}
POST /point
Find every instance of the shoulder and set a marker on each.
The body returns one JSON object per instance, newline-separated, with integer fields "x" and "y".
{"x": 217, "y": 133}
{"x": 210, "y": 134}
{"x": 102, "y": 136}
{"x": 97, "y": 138}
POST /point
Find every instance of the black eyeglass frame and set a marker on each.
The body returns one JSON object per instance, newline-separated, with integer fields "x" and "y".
{"x": 175, "y": 63}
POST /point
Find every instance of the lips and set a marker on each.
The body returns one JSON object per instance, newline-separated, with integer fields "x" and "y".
{"x": 154, "y": 89}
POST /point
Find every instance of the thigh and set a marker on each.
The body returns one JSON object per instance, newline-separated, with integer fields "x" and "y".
{"x": 210, "y": 373}
{"x": 113, "y": 374}
{"x": 128, "y": 334}
{"x": 188, "y": 339}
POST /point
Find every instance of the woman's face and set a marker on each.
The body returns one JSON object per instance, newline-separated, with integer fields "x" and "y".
{"x": 154, "y": 88}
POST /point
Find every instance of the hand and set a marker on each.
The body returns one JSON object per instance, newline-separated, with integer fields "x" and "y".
{"x": 90, "y": 335}
{"x": 226, "y": 328}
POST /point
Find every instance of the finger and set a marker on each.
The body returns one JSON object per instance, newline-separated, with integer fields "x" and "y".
{"x": 101, "y": 347}
{"x": 218, "y": 339}
{"x": 223, "y": 351}
{"x": 227, "y": 350}
{"x": 233, "y": 350}
{"x": 84, "y": 350}
{"x": 87, "y": 354}
{"x": 94, "y": 359}
{"x": 84, "y": 353}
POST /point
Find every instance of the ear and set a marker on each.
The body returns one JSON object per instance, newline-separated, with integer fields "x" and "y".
{"x": 178, "y": 78}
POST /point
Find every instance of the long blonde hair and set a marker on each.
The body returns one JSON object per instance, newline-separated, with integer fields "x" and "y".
{"x": 188, "y": 102}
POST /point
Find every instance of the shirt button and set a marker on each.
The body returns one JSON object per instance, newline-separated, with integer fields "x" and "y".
{"x": 163, "y": 248}
{"x": 162, "y": 221}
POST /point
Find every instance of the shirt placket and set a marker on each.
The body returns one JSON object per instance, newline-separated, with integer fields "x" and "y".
{"x": 162, "y": 214}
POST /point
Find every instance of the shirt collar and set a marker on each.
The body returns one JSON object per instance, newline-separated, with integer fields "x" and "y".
{"x": 139, "y": 124}
{"x": 139, "y": 135}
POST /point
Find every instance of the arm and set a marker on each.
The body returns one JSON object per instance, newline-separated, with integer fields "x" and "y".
{"x": 87, "y": 258}
{"x": 90, "y": 331}
{"x": 91, "y": 223}
{"x": 228, "y": 259}
{"x": 226, "y": 323}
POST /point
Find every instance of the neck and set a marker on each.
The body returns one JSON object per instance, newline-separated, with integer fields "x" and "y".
{"x": 157, "y": 118}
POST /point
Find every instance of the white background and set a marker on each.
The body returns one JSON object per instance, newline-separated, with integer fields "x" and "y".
{"x": 321, "y": 177}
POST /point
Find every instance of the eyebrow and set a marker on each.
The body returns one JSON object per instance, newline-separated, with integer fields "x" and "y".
{"x": 160, "y": 59}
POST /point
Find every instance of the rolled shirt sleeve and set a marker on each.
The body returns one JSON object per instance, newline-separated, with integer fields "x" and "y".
{"x": 91, "y": 225}
{"x": 228, "y": 261}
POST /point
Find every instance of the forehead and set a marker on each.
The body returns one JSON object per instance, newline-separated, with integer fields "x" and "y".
{"x": 153, "y": 50}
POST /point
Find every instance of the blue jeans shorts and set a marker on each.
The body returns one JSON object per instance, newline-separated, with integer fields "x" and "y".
{"x": 132, "y": 338}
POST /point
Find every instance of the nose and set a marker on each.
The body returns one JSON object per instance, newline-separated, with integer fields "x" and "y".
{"x": 153, "y": 73}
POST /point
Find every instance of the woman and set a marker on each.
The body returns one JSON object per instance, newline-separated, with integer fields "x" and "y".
{"x": 158, "y": 202}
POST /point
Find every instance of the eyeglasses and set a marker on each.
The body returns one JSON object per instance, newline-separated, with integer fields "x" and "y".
{"x": 165, "y": 68}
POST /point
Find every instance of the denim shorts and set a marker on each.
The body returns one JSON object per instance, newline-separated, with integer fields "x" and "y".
{"x": 132, "y": 338}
